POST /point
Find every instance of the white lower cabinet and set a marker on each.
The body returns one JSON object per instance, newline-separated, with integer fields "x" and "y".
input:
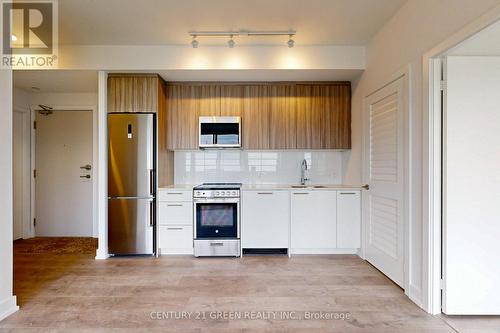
{"x": 313, "y": 222}
{"x": 265, "y": 219}
{"x": 176, "y": 239}
{"x": 175, "y": 221}
{"x": 348, "y": 219}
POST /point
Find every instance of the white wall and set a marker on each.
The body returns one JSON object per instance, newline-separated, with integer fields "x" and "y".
{"x": 7, "y": 300}
{"x": 257, "y": 167}
{"x": 401, "y": 43}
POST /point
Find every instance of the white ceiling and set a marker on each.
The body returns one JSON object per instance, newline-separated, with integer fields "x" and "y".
{"x": 56, "y": 81}
{"x": 160, "y": 22}
{"x": 484, "y": 43}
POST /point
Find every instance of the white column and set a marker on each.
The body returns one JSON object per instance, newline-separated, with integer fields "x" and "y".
{"x": 102, "y": 168}
{"x": 7, "y": 299}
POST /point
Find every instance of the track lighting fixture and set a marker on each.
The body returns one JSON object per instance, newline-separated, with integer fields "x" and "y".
{"x": 231, "y": 34}
{"x": 230, "y": 42}
{"x": 194, "y": 42}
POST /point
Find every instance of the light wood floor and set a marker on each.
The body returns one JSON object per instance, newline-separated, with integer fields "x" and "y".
{"x": 72, "y": 292}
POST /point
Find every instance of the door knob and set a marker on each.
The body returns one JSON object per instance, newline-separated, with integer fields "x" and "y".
{"x": 86, "y": 167}
{"x": 86, "y": 176}
{"x": 366, "y": 187}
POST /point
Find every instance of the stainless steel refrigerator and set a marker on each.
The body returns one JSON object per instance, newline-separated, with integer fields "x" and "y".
{"x": 131, "y": 183}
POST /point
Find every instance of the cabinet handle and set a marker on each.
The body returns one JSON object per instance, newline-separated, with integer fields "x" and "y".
{"x": 174, "y": 193}
{"x": 347, "y": 193}
{"x": 216, "y": 244}
{"x": 301, "y": 193}
{"x": 175, "y": 228}
{"x": 265, "y": 193}
{"x": 175, "y": 205}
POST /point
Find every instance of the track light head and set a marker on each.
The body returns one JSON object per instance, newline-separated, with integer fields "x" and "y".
{"x": 230, "y": 42}
{"x": 194, "y": 43}
{"x": 291, "y": 42}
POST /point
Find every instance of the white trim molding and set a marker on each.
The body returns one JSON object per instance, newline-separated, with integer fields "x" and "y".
{"x": 102, "y": 168}
{"x": 8, "y": 306}
{"x": 431, "y": 155}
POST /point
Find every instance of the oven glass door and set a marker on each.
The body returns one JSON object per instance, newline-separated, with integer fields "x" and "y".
{"x": 216, "y": 220}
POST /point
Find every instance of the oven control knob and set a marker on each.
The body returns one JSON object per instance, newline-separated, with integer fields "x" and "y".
{"x": 233, "y": 193}
{"x": 216, "y": 192}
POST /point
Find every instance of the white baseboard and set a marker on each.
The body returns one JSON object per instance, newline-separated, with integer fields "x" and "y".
{"x": 415, "y": 295}
{"x": 8, "y": 306}
{"x": 323, "y": 251}
{"x": 101, "y": 254}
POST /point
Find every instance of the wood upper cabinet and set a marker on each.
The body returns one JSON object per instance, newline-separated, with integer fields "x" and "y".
{"x": 274, "y": 116}
{"x": 309, "y": 112}
{"x": 283, "y": 117}
{"x": 324, "y": 116}
{"x": 185, "y": 104}
{"x": 133, "y": 93}
{"x": 232, "y": 100}
{"x": 255, "y": 126}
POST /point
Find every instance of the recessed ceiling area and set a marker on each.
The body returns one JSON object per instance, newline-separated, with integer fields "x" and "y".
{"x": 80, "y": 81}
{"x": 56, "y": 81}
{"x": 167, "y": 22}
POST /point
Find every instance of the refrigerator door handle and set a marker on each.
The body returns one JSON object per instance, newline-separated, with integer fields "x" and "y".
{"x": 152, "y": 213}
{"x": 152, "y": 185}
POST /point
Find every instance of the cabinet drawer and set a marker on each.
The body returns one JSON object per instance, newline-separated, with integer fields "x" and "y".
{"x": 176, "y": 237}
{"x": 172, "y": 213}
{"x": 175, "y": 195}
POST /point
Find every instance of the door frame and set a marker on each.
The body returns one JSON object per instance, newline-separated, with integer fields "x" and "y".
{"x": 404, "y": 74}
{"x": 61, "y": 108}
{"x": 431, "y": 157}
{"x": 27, "y": 227}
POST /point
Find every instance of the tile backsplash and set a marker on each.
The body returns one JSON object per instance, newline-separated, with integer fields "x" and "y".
{"x": 257, "y": 167}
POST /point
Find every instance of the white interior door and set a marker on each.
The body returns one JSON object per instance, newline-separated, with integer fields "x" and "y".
{"x": 383, "y": 203}
{"x": 20, "y": 158}
{"x": 471, "y": 186}
{"x": 63, "y": 201}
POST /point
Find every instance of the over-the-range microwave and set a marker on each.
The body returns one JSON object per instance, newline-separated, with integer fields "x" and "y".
{"x": 220, "y": 132}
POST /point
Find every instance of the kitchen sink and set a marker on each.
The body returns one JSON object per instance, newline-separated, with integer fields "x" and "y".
{"x": 319, "y": 186}
{"x": 299, "y": 186}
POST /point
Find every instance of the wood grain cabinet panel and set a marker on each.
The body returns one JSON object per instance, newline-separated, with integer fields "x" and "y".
{"x": 324, "y": 116}
{"x": 185, "y": 104}
{"x": 274, "y": 115}
{"x": 340, "y": 117}
{"x": 283, "y": 117}
{"x": 232, "y": 99}
{"x": 132, "y": 93}
{"x": 255, "y": 125}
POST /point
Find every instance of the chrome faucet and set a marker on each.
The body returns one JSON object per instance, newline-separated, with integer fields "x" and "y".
{"x": 303, "y": 169}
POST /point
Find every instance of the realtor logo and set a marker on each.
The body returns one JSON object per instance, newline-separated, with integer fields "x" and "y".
{"x": 29, "y": 34}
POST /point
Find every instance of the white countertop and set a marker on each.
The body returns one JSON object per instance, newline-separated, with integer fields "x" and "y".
{"x": 281, "y": 187}
{"x": 289, "y": 187}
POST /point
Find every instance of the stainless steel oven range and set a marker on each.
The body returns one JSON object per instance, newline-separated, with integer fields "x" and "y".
{"x": 217, "y": 220}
